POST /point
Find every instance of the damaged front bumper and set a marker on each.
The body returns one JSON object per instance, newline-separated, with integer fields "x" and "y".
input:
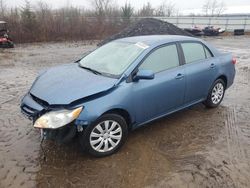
{"x": 55, "y": 123}
{"x": 31, "y": 108}
{"x": 61, "y": 135}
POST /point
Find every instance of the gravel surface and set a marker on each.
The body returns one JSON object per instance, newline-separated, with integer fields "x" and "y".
{"x": 196, "y": 147}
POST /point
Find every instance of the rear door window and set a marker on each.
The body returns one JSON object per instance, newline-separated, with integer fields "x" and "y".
{"x": 193, "y": 51}
{"x": 161, "y": 59}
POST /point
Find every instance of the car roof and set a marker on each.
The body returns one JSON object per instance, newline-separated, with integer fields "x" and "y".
{"x": 156, "y": 39}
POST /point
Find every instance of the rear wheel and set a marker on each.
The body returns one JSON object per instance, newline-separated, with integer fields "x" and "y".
{"x": 216, "y": 94}
{"x": 105, "y": 136}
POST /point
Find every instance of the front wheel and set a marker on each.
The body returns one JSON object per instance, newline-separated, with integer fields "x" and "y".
{"x": 105, "y": 136}
{"x": 216, "y": 94}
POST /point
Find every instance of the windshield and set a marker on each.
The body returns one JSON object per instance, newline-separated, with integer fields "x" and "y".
{"x": 112, "y": 58}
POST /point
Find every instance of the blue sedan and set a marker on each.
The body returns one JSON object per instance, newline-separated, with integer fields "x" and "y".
{"x": 125, "y": 84}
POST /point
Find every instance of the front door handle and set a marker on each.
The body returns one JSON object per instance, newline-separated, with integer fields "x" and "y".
{"x": 179, "y": 76}
{"x": 212, "y": 65}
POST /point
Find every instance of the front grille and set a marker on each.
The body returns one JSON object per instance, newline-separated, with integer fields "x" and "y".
{"x": 29, "y": 112}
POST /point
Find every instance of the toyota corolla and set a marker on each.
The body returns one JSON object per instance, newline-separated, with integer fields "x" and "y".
{"x": 123, "y": 85}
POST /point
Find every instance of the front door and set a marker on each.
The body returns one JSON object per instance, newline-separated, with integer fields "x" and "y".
{"x": 164, "y": 93}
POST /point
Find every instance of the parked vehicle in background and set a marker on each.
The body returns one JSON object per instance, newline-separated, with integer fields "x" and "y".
{"x": 206, "y": 31}
{"x": 5, "y": 40}
{"x": 196, "y": 31}
{"x": 125, "y": 84}
{"x": 212, "y": 31}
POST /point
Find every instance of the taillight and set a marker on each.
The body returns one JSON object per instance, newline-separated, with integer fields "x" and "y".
{"x": 234, "y": 60}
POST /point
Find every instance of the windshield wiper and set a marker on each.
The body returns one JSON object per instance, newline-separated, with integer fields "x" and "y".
{"x": 92, "y": 70}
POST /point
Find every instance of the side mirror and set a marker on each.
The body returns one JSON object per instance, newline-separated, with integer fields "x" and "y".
{"x": 144, "y": 75}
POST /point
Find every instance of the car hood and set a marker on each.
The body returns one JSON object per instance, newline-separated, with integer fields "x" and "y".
{"x": 67, "y": 83}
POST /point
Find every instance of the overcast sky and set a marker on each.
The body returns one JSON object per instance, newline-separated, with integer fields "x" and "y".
{"x": 180, "y": 4}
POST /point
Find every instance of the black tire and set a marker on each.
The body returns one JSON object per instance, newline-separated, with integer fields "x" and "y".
{"x": 7, "y": 45}
{"x": 84, "y": 137}
{"x": 209, "y": 101}
{"x": 10, "y": 45}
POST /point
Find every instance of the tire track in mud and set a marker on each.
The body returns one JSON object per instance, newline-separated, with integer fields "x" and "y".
{"x": 235, "y": 150}
{"x": 238, "y": 146}
{"x": 183, "y": 165}
{"x": 237, "y": 127}
{"x": 15, "y": 145}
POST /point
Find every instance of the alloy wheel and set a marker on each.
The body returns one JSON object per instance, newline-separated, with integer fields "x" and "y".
{"x": 105, "y": 136}
{"x": 217, "y": 93}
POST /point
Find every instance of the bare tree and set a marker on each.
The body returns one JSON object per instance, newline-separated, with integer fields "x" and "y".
{"x": 221, "y": 8}
{"x": 43, "y": 7}
{"x": 213, "y": 7}
{"x": 127, "y": 12}
{"x": 43, "y": 12}
{"x": 101, "y": 7}
{"x": 167, "y": 8}
{"x": 146, "y": 10}
{"x": 28, "y": 20}
{"x": 206, "y": 7}
{"x": 2, "y": 9}
{"x": 44, "y": 18}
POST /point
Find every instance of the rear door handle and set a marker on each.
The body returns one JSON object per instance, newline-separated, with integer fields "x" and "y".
{"x": 179, "y": 76}
{"x": 212, "y": 65}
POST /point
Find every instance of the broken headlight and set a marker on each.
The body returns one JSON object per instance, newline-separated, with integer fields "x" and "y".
{"x": 57, "y": 119}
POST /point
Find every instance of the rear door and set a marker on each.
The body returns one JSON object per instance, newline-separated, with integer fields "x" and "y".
{"x": 165, "y": 92}
{"x": 201, "y": 70}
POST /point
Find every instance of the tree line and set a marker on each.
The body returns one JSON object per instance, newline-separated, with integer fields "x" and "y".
{"x": 40, "y": 22}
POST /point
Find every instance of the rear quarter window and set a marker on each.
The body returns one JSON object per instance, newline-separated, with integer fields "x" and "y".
{"x": 193, "y": 51}
{"x": 208, "y": 53}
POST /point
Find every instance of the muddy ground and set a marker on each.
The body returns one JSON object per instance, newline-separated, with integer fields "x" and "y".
{"x": 196, "y": 147}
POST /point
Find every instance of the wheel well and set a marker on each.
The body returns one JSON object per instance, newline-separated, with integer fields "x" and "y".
{"x": 122, "y": 113}
{"x": 224, "y": 78}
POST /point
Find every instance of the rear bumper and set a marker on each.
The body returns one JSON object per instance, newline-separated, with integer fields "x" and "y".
{"x": 231, "y": 77}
